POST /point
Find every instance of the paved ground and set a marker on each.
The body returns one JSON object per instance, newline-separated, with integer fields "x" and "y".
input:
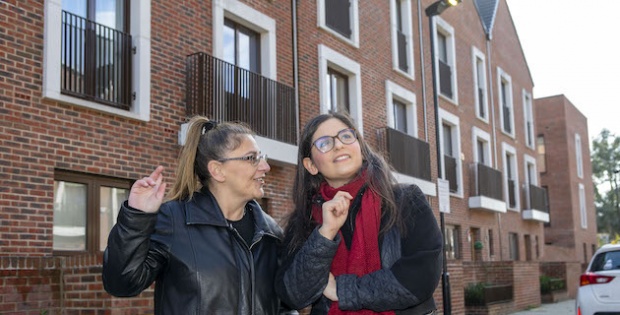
{"x": 561, "y": 308}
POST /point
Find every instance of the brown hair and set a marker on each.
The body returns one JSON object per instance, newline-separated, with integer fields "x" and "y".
{"x": 207, "y": 140}
{"x": 306, "y": 185}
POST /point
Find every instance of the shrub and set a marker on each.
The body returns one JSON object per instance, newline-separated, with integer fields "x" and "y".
{"x": 549, "y": 284}
{"x": 474, "y": 294}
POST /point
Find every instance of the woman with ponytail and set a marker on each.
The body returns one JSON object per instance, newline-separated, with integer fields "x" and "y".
{"x": 209, "y": 248}
{"x": 356, "y": 243}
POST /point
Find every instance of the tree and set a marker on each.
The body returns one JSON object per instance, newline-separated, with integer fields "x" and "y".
{"x": 606, "y": 172}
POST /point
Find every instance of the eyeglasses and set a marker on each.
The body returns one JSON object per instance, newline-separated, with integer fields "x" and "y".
{"x": 326, "y": 143}
{"x": 254, "y": 159}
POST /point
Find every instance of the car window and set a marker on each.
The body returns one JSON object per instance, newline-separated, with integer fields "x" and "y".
{"x": 606, "y": 261}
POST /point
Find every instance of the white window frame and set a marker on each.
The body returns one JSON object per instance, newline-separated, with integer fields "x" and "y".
{"x": 140, "y": 30}
{"x": 528, "y": 115}
{"x": 245, "y": 15}
{"x": 447, "y": 30}
{"x": 503, "y": 76}
{"x": 329, "y": 58}
{"x": 393, "y": 92}
{"x": 354, "y": 18}
{"x": 454, "y": 122}
{"x": 579, "y": 155}
{"x": 478, "y": 55}
{"x": 582, "y": 206}
{"x": 508, "y": 149}
{"x": 479, "y": 134}
{"x": 407, "y": 31}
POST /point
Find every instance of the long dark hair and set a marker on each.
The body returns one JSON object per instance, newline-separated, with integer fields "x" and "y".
{"x": 306, "y": 185}
{"x": 206, "y": 140}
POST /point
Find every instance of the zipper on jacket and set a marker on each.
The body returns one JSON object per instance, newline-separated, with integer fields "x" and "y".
{"x": 251, "y": 263}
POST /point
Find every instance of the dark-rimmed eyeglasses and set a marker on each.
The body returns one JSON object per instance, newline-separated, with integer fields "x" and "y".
{"x": 254, "y": 159}
{"x": 326, "y": 143}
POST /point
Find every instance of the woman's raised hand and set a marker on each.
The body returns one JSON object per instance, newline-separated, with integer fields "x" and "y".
{"x": 335, "y": 214}
{"x": 147, "y": 194}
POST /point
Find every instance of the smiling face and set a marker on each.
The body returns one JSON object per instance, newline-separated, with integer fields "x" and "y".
{"x": 340, "y": 165}
{"x": 242, "y": 179}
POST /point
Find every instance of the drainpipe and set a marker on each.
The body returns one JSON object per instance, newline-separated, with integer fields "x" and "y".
{"x": 422, "y": 70}
{"x": 492, "y": 119}
{"x": 295, "y": 65}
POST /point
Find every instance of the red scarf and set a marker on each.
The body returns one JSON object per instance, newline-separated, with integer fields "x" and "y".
{"x": 363, "y": 257}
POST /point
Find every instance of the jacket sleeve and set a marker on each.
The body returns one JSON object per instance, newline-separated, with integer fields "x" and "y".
{"x": 412, "y": 278}
{"x": 132, "y": 261}
{"x": 303, "y": 276}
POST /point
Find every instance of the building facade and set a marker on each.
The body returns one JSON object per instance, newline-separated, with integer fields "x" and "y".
{"x": 566, "y": 174}
{"x": 94, "y": 96}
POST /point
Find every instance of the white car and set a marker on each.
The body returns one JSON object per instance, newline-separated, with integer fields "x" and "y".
{"x": 599, "y": 288}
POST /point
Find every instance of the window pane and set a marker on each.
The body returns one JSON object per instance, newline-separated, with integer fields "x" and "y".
{"x": 339, "y": 91}
{"x": 110, "y": 202}
{"x": 77, "y": 7}
{"x": 70, "y": 216}
{"x": 110, "y": 13}
{"x": 400, "y": 116}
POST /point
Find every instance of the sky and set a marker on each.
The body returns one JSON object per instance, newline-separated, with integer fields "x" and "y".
{"x": 572, "y": 47}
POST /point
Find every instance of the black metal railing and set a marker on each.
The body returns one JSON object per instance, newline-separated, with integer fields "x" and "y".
{"x": 451, "y": 170}
{"x": 95, "y": 62}
{"x": 486, "y": 181}
{"x": 402, "y": 51}
{"x": 537, "y": 198}
{"x": 445, "y": 79}
{"x": 225, "y": 92}
{"x": 408, "y": 155}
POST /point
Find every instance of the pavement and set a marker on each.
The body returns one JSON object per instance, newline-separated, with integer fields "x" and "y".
{"x": 560, "y": 308}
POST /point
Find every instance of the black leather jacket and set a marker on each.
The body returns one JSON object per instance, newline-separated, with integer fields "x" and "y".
{"x": 199, "y": 263}
{"x": 411, "y": 267}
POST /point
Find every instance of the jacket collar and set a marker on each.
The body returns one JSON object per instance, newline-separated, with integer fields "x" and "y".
{"x": 204, "y": 209}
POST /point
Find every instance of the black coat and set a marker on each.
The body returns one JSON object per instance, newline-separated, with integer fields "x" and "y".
{"x": 411, "y": 267}
{"x": 199, "y": 263}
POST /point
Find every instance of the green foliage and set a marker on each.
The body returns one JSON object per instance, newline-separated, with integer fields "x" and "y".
{"x": 548, "y": 284}
{"x": 478, "y": 245}
{"x": 474, "y": 294}
{"x": 606, "y": 173}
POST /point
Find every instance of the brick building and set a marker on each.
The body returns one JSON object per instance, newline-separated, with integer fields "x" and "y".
{"x": 95, "y": 96}
{"x": 566, "y": 173}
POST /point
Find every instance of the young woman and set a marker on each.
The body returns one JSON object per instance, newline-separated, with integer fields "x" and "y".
{"x": 210, "y": 249}
{"x": 356, "y": 242}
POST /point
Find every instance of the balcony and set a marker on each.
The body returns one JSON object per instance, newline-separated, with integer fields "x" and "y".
{"x": 486, "y": 189}
{"x": 536, "y": 205}
{"x": 225, "y": 92}
{"x": 409, "y": 156}
{"x": 95, "y": 62}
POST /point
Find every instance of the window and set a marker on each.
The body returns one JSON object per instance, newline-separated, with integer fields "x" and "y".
{"x": 254, "y": 35}
{"x": 505, "y": 102}
{"x": 578, "y": 155}
{"x": 334, "y": 68}
{"x": 445, "y": 61}
{"x": 452, "y": 242}
{"x": 449, "y": 136}
{"x": 528, "y": 119}
{"x": 340, "y": 17}
{"x": 527, "y": 240}
{"x": 85, "y": 209}
{"x": 513, "y": 246}
{"x": 402, "y": 39}
{"x": 491, "y": 243}
{"x": 511, "y": 179}
{"x": 482, "y": 146}
{"x": 606, "y": 261}
{"x": 95, "y": 65}
{"x": 547, "y": 205}
{"x": 540, "y": 150}
{"x": 401, "y": 109}
{"x": 536, "y": 247}
{"x": 480, "y": 85}
{"x": 585, "y": 253}
{"x": 582, "y": 206}
{"x": 338, "y": 100}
